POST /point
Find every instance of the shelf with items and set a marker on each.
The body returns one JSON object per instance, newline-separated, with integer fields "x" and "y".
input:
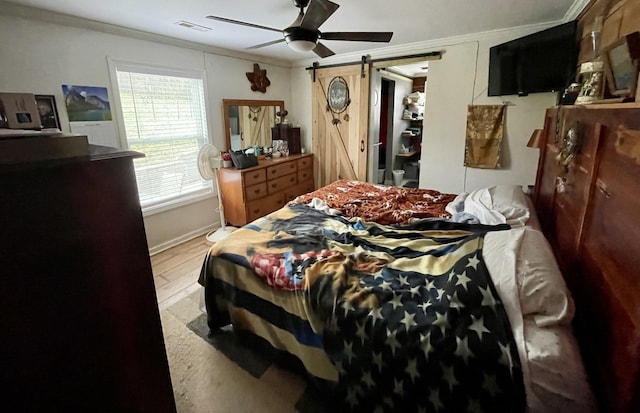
{"x": 413, "y": 112}
{"x": 414, "y": 107}
{"x": 407, "y": 154}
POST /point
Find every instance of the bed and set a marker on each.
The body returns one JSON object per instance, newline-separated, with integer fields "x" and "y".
{"x": 407, "y": 299}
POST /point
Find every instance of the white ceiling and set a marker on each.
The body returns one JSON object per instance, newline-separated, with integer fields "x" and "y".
{"x": 411, "y": 20}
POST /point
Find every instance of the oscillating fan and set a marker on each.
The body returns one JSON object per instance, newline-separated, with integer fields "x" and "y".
{"x": 208, "y": 164}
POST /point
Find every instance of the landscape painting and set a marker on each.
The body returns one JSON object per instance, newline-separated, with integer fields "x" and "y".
{"x": 87, "y": 103}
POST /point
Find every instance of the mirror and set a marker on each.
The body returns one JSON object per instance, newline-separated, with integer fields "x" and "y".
{"x": 248, "y": 123}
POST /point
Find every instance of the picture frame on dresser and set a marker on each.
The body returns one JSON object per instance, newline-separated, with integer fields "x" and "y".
{"x": 48, "y": 111}
{"x": 621, "y": 65}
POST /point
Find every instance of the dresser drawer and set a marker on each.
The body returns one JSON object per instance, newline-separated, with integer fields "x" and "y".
{"x": 305, "y": 175}
{"x": 306, "y": 162}
{"x": 255, "y": 191}
{"x": 276, "y": 171}
{"x": 254, "y": 177}
{"x": 301, "y": 188}
{"x": 278, "y": 184}
{"x": 264, "y": 206}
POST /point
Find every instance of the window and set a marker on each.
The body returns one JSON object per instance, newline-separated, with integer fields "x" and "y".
{"x": 163, "y": 116}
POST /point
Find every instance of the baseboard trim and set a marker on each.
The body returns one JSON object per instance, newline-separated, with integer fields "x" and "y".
{"x": 179, "y": 240}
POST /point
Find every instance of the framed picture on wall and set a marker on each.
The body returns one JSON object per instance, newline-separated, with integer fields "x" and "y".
{"x": 621, "y": 65}
{"x": 48, "y": 111}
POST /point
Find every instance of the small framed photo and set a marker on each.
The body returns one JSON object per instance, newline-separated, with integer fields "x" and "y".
{"x": 48, "y": 111}
{"x": 621, "y": 65}
{"x": 18, "y": 111}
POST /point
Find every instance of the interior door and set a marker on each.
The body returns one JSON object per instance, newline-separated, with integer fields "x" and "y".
{"x": 340, "y": 138}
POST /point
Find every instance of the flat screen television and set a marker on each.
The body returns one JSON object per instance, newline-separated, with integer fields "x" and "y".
{"x": 540, "y": 62}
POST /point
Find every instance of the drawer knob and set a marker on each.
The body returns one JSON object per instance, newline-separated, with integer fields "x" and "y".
{"x": 255, "y": 211}
{"x": 256, "y": 176}
{"x": 257, "y": 191}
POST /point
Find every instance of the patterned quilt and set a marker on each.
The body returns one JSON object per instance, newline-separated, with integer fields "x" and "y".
{"x": 408, "y": 314}
{"x": 380, "y": 203}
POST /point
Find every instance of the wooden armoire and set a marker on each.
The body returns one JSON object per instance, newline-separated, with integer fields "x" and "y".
{"x": 79, "y": 319}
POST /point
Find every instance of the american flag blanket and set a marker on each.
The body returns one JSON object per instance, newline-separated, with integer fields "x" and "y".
{"x": 408, "y": 315}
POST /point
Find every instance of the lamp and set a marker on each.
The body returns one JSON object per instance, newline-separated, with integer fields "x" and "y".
{"x": 536, "y": 139}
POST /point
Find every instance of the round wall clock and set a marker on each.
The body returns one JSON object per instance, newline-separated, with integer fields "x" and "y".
{"x": 338, "y": 95}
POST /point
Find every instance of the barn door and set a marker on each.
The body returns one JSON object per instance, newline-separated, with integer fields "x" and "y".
{"x": 340, "y": 135}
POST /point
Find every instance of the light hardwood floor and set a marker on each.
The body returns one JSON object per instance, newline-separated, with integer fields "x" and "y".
{"x": 176, "y": 270}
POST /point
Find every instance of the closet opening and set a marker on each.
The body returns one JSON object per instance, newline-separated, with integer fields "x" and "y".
{"x": 396, "y": 123}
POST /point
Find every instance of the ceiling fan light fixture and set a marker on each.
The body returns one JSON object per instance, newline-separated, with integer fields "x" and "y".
{"x": 302, "y": 45}
{"x": 301, "y": 40}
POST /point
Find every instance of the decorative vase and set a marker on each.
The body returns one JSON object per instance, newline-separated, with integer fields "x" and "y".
{"x": 226, "y": 164}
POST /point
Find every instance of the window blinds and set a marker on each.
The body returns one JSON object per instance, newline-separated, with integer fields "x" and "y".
{"x": 164, "y": 117}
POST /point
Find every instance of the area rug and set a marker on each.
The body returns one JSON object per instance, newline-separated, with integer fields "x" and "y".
{"x": 226, "y": 373}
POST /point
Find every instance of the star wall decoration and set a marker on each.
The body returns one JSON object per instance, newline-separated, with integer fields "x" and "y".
{"x": 258, "y": 78}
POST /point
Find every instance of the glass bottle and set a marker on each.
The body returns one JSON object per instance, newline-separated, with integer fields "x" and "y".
{"x": 595, "y": 38}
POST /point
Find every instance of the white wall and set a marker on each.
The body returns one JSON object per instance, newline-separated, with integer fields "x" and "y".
{"x": 38, "y": 57}
{"x": 459, "y": 79}
{"x": 301, "y": 104}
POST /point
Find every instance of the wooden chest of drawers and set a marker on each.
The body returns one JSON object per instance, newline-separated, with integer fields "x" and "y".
{"x": 248, "y": 194}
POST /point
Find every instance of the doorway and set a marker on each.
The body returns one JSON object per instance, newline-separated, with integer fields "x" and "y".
{"x": 385, "y": 148}
{"x": 396, "y": 123}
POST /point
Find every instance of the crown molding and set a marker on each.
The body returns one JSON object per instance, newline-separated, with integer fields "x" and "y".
{"x": 32, "y": 13}
{"x": 424, "y": 46}
{"x": 420, "y": 47}
{"x": 575, "y": 10}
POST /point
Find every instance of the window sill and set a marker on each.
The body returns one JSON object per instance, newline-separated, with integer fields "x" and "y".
{"x": 177, "y": 203}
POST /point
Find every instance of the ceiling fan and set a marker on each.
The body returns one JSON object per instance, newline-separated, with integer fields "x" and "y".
{"x": 303, "y": 34}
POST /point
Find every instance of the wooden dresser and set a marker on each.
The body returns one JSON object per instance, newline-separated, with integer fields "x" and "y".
{"x": 79, "y": 319}
{"x": 253, "y": 192}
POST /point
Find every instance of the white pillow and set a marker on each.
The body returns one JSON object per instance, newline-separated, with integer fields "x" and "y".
{"x": 511, "y": 202}
{"x": 542, "y": 290}
{"x": 499, "y": 204}
{"x": 479, "y": 204}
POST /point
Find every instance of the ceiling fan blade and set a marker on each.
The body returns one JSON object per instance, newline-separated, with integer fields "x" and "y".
{"x": 258, "y": 46}
{"x": 317, "y": 13}
{"x": 257, "y": 26}
{"x": 322, "y": 50}
{"x": 358, "y": 36}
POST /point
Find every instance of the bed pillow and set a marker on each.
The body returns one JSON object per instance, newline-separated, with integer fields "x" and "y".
{"x": 510, "y": 201}
{"x": 499, "y": 204}
{"x": 479, "y": 204}
{"x": 542, "y": 290}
